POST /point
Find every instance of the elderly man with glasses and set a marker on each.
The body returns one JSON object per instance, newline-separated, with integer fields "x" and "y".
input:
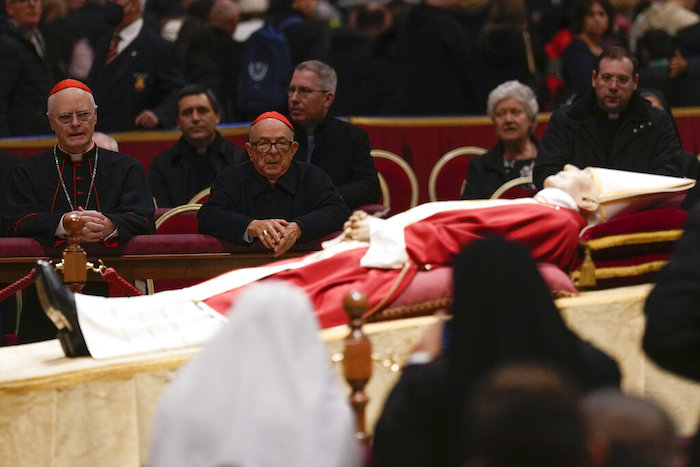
{"x": 611, "y": 127}
{"x": 107, "y": 189}
{"x": 341, "y": 149}
{"x": 273, "y": 197}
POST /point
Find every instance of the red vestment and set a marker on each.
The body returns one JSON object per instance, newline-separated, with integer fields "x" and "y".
{"x": 551, "y": 234}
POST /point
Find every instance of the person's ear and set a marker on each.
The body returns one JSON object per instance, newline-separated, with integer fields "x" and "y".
{"x": 587, "y": 203}
{"x": 249, "y": 150}
{"x": 593, "y": 78}
{"x": 294, "y": 148}
{"x": 328, "y": 99}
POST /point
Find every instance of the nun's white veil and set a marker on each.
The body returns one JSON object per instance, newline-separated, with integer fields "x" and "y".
{"x": 261, "y": 393}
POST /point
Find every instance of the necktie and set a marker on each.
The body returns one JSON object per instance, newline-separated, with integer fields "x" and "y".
{"x": 112, "y": 51}
{"x": 35, "y": 39}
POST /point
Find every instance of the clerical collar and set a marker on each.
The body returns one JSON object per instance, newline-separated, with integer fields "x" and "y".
{"x": 608, "y": 115}
{"x": 557, "y": 197}
{"x": 202, "y": 150}
{"x": 76, "y": 157}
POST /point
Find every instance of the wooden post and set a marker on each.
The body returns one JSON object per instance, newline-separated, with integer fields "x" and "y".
{"x": 357, "y": 362}
{"x": 74, "y": 257}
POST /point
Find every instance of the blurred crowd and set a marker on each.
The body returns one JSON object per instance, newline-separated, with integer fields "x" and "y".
{"x": 393, "y": 57}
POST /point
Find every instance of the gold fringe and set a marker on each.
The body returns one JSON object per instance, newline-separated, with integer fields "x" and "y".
{"x": 634, "y": 238}
{"x": 624, "y": 271}
{"x": 108, "y": 372}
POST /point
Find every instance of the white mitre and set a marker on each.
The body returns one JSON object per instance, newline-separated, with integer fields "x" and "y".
{"x": 622, "y": 192}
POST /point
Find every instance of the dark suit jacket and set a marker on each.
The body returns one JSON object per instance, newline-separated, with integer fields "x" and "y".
{"x": 25, "y": 81}
{"x": 342, "y": 150}
{"x": 145, "y": 75}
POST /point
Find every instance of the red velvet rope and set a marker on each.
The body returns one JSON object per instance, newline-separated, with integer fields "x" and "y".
{"x": 110, "y": 275}
{"x": 21, "y": 284}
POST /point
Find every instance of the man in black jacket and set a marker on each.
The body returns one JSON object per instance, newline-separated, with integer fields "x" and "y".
{"x": 613, "y": 128}
{"x": 341, "y": 149}
{"x": 27, "y": 70}
{"x": 179, "y": 173}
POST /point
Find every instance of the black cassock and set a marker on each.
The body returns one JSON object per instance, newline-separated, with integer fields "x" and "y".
{"x": 35, "y": 201}
{"x": 36, "y": 198}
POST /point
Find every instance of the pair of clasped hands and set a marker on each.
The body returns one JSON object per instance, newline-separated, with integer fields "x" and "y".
{"x": 96, "y": 226}
{"x": 277, "y": 235}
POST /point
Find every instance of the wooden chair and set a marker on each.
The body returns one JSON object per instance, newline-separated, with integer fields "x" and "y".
{"x": 448, "y": 175}
{"x": 400, "y": 181}
{"x": 201, "y": 197}
{"x": 512, "y": 189}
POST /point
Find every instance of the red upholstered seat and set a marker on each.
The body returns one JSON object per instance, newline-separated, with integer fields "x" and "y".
{"x": 400, "y": 179}
{"x": 179, "y": 220}
{"x": 449, "y": 173}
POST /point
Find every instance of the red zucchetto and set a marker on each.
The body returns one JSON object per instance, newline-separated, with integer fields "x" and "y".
{"x": 70, "y": 83}
{"x": 276, "y": 116}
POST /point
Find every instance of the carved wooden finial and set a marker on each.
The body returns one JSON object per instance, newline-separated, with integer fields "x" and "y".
{"x": 358, "y": 357}
{"x": 74, "y": 257}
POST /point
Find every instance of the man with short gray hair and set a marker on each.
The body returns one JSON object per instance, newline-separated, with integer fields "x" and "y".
{"x": 341, "y": 149}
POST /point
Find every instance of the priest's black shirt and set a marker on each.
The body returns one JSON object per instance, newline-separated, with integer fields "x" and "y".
{"x": 179, "y": 173}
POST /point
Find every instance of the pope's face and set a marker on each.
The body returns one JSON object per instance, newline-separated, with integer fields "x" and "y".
{"x": 572, "y": 180}
{"x": 271, "y": 162}
{"x": 73, "y": 116}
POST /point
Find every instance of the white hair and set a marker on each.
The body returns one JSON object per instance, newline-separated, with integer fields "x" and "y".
{"x": 325, "y": 72}
{"x": 516, "y": 90}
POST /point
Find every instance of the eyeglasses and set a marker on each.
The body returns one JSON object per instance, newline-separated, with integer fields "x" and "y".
{"x": 303, "y": 92}
{"x": 67, "y": 119}
{"x": 266, "y": 146}
{"x": 621, "y": 79}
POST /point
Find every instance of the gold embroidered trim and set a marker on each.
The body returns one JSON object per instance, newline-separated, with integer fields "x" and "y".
{"x": 411, "y": 310}
{"x": 634, "y": 238}
{"x": 624, "y": 271}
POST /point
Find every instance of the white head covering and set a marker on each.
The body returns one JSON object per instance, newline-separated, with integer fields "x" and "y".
{"x": 621, "y": 192}
{"x": 261, "y": 393}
